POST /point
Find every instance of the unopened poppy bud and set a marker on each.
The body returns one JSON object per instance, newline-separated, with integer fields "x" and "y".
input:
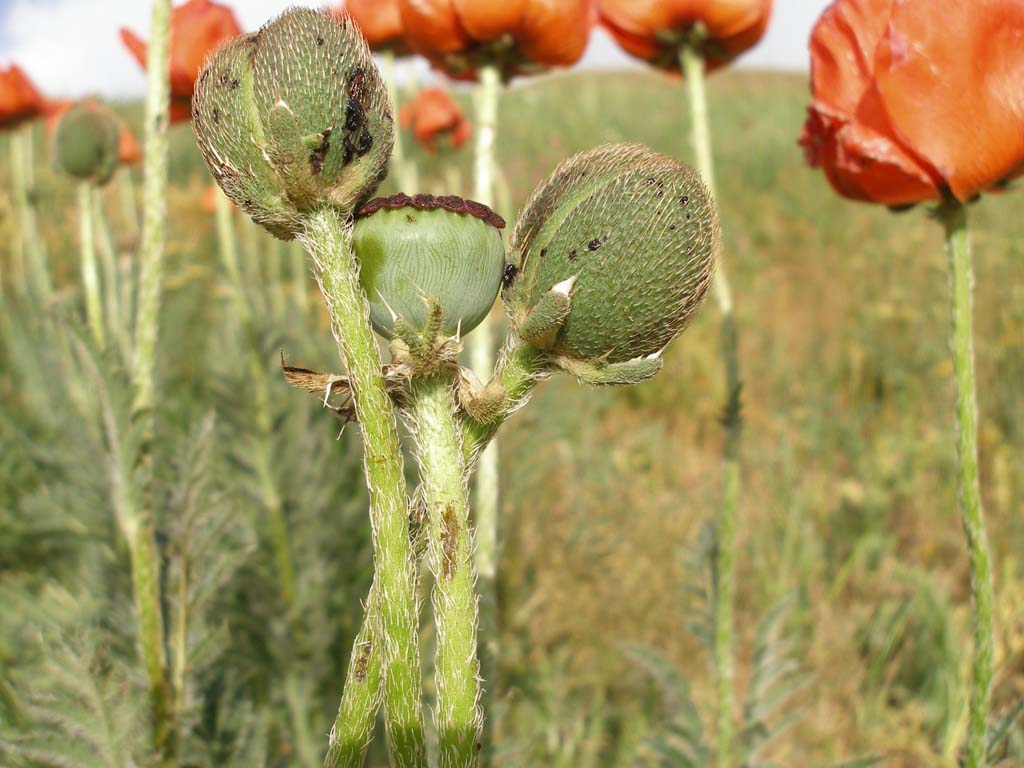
{"x": 431, "y": 265}
{"x": 293, "y": 118}
{"x": 609, "y": 261}
{"x": 86, "y": 142}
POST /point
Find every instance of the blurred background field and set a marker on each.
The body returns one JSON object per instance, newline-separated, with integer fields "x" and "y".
{"x": 852, "y": 584}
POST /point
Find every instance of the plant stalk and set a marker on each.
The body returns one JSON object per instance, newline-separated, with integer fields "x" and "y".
{"x": 954, "y": 218}
{"x": 30, "y": 250}
{"x": 90, "y": 275}
{"x": 481, "y": 343}
{"x": 360, "y": 698}
{"x": 438, "y": 441}
{"x": 111, "y": 278}
{"x": 724, "y": 620}
{"x": 141, "y": 535}
{"x": 328, "y": 238}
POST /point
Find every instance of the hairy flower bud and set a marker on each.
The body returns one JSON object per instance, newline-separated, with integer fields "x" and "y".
{"x": 293, "y": 118}
{"x": 609, "y": 261}
{"x": 422, "y": 255}
{"x": 86, "y": 142}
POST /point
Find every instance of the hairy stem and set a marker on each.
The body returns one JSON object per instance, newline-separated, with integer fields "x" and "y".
{"x": 328, "y": 238}
{"x": 954, "y": 218}
{"x": 438, "y": 442}
{"x": 90, "y": 275}
{"x": 693, "y": 68}
{"x": 481, "y": 345}
{"x": 360, "y": 699}
{"x": 111, "y": 278}
{"x": 141, "y": 538}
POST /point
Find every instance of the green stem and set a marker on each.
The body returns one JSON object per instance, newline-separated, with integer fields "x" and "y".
{"x": 693, "y": 68}
{"x": 142, "y": 541}
{"x": 31, "y": 249}
{"x": 129, "y": 208}
{"x": 111, "y": 279}
{"x": 90, "y": 275}
{"x": 481, "y": 345}
{"x": 438, "y": 442}
{"x": 954, "y": 217}
{"x": 360, "y": 700}
{"x": 328, "y": 238}
{"x": 263, "y": 417}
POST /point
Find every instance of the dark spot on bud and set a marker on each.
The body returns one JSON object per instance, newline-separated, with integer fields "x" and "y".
{"x": 316, "y": 158}
{"x": 572, "y": 255}
{"x": 409, "y": 218}
{"x": 543, "y": 252}
{"x": 684, "y": 199}
{"x": 247, "y": 202}
{"x": 672, "y": 227}
{"x": 216, "y": 116}
{"x": 319, "y": 40}
{"x": 363, "y": 662}
{"x": 594, "y": 244}
{"x": 234, "y": 84}
{"x": 511, "y": 270}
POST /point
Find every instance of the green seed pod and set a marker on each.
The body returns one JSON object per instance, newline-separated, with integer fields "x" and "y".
{"x": 421, "y": 254}
{"x": 293, "y": 118}
{"x": 609, "y": 261}
{"x": 85, "y": 142}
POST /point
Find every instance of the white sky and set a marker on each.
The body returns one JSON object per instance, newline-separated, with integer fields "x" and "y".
{"x": 71, "y": 47}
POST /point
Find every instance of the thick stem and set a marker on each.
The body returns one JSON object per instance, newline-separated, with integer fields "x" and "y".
{"x": 90, "y": 275}
{"x": 693, "y": 68}
{"x": 328, "y": 238}
{"x": 142, "y": 542}
{"x": 438, "y": 442}
{"x": 263, "y": 458}
{"x": 481, "y": 345}
{"x": 360, "y": 699}
{"x": 954, "y": 217}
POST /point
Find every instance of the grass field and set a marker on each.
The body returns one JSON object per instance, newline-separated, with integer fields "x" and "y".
{"x": 852, "y": 579}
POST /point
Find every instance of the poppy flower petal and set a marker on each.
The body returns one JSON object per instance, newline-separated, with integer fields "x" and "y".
{"x": 949, "y": 74}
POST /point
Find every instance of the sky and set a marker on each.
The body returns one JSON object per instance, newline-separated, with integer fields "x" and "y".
{"x": 71, "y": 47}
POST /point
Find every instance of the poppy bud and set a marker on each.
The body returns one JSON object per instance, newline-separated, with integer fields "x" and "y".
{"x": 609, "y": 261}
{"x": 429, "y": 265}
{"x": 293, "y": 118}
{"x": 86, "y": 142}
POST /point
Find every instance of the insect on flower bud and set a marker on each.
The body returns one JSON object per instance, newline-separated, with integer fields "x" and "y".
{"x": 86, "y": 142}
{"x": 609, "y": 261}
{"x": 421, "y": 254}
{"x": 293, "y": 118}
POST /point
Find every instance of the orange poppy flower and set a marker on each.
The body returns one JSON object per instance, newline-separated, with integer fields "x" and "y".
{"x": 197, "y": 29}
{"x": 129, "y": 151}
{"x": 518, "y": 36}
{"x": 19, "y": 99}
{"x": 380, "y": 22}
{"x": 433, "y": 115}
{"x": 912, "y": 98}
{"x": 654, "y": 30}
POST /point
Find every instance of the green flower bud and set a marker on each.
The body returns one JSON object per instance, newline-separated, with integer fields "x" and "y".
{"x": 293, "y": 118}
{"x": 431, "y": 264}
{"x": 86, "y": 142}
{"x": 609, "y": 261}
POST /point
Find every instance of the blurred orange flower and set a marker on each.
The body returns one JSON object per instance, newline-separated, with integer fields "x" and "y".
{"x": 130, "y": 153}
{"x": 198, "y": 28}
{"x": 654, "y": 30}
{"x": 912, "y": 98}
{"x": 380, "y": 21}
{"x": 433, "y": 115}
{"x": 518, "y": 36}
{"x": 19, "y": 99}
